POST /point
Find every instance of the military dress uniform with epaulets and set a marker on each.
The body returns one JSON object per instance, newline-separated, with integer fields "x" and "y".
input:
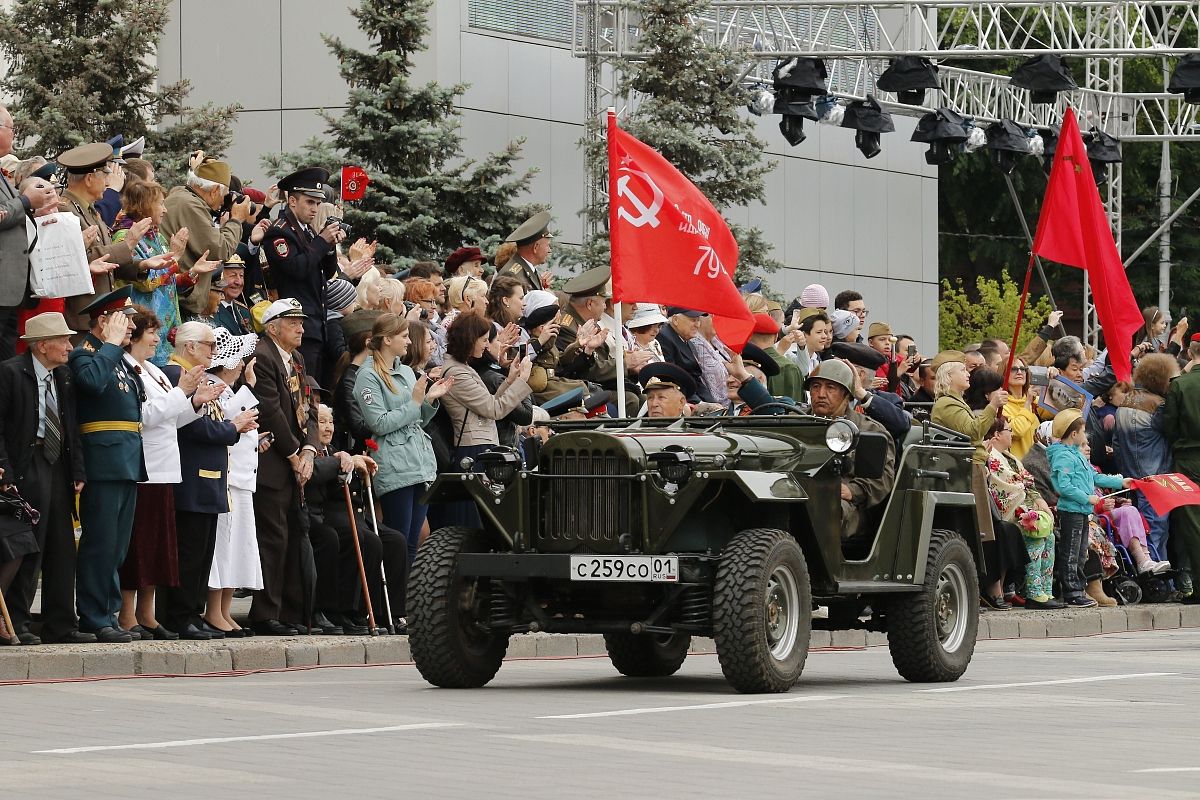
{"x": 524, "y": 272}
{"x": 599, "y": 367}
{"x": 234, "y": 316}
{"x": 109, "y": 411}
{"x": 531, "y": 230}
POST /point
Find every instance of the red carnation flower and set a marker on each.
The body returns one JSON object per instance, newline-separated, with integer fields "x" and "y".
{"x": 371, "y": 445}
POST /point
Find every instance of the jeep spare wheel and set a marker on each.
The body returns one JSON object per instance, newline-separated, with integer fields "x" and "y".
{"x": 452, "y": 644}
{"x": 762, "y": 611}
{"x": 931, "y": 634}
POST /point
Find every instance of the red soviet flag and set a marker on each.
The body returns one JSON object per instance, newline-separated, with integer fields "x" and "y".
{"x": 1074, "y": 230}
{"x": 669, "y": 245}
{"x": 354, "y": 183}
{"x": 1165, "y": 492}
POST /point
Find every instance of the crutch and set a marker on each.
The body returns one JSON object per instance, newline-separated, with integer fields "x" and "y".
{"x": 362, "y": 571}
{"x": 387, "y": 601}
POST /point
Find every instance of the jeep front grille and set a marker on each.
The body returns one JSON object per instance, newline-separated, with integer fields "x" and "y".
{"x": 587, "y": 513}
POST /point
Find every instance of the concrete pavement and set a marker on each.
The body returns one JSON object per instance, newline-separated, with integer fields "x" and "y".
{"x": 1096, "y": 717}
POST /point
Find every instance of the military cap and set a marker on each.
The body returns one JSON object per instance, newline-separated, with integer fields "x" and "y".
{"x": 751, "y": 286}
{"x": 286, "y": 308}
{"x": 592, "y": 283}
{"x": 756, "y": 356}
{"x": 945, "y": 357}
{"x": 597, "y": 403}
{"x": 539, "y": 316}
{"x": 809, "y": 311}
{"x": 860, "y": 355}
{"x": 309, "y": 181}
{"x": 46, "y": 172}
{"x": 234, "y": 261}
{"x": 665, "y": 375}
{"x": 531, "y": 229}
{"x": 564, "y": 402}
{"x": 117, "y": 143}
{"x": 879, "y": 329}
{"x": 86, "y": 158}
{"x": 765, "y": 323}
{"x": 113, "y": 301}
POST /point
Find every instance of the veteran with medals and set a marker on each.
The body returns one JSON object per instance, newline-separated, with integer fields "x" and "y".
{"x": 109, "y": 411}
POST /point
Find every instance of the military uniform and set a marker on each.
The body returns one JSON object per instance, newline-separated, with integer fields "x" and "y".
{"x": 1181, "y": 426}
{"x": 234, "y": 316}
{"x": 530, "y": 231}
{"x": 109, "y": 411}
{"x": 80, "y": 161}
{"x": 300, "y": 262}
{"x": 601, "y": 366}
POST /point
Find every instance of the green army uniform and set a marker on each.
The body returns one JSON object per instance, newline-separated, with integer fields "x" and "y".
{"x": 790, "y": 381}
{"x": 529, "y": 231}
{"x": 1181, "y": 426}
{"x": 599, "y": 367}
{"x": 109, "y": 411}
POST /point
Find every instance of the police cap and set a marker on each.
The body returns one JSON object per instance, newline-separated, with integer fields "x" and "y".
{"x": 309, "y": 181}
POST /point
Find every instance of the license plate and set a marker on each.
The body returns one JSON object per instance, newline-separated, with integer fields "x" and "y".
{"x": 631, "y": 569}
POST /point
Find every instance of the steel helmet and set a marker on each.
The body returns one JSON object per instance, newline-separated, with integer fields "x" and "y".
{"x": 838, "y": 372}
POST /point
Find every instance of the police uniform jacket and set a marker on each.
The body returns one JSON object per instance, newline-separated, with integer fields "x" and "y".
{"x": 109, "y": 410}
{"x": 283, "y": 411}
{"x": 300, "y": 262}
{"x": 523, "y": 271}
{"x": 119, "y": 253}
{"x": 19, "y": 420}
{"x": 203, "y": 457}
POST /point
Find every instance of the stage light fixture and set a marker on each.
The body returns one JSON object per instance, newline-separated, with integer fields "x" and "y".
{"x": 1185, "y": 79}
{"x": 945, "y": 131}
{"x": 1102, "y": 149}
{"x": 869, "y": 121}
{"x": 1006, "y": 140}
{"x": 909, "y": 77}
{"x": 1044, "y": 76}
{"x": 795, "y": 82}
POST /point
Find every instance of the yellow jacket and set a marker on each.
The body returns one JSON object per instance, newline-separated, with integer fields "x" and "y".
{"x": 1024, "y": 422}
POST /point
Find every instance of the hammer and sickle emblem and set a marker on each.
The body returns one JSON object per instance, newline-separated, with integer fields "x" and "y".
{"x": 646, "y": 214}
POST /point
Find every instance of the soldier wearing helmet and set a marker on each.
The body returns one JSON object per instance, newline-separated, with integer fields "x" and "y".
{"x": 830, "y": 389}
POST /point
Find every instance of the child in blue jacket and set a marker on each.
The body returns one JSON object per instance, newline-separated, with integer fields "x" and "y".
{"x": 1076, "y": 482}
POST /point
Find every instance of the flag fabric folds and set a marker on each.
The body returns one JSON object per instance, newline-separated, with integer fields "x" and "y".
{"x": 1074, "y": 230}
{"x": 669, "y": 244}
{"x": 1169, "y": 491}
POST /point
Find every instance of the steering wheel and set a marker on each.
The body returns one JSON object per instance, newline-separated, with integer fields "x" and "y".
{"x": 787, "y": 408}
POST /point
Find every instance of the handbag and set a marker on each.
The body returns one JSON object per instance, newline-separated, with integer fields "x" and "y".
{"x": 441, "y": 436}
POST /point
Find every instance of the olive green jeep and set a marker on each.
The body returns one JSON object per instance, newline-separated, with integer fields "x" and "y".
{"x": 651, "y": 532}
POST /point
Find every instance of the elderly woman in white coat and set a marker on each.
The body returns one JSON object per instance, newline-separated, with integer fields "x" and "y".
{"x": 152, "y": 558}
{"x": 236, "y": 563}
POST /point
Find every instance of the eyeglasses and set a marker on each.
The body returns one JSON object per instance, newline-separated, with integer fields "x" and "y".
{"x": 1020, "y": 369}
{"x": 861, "y": 313}
{"x": 209, "y": 345}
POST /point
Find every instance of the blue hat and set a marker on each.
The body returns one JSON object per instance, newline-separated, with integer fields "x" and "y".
{"x": 563, "y": 402}
{"x": 120, "y": 299}
{"x": 751, "y": 286}
{"x": 117, "y": 142}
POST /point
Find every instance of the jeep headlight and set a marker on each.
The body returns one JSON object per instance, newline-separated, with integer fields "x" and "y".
{"x": 500, "y": 466}
{"x": 841, "y": 436}
{"x": 674, "y": 465}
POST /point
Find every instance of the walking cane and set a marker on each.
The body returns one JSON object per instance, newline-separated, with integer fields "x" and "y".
{"x": 387, "y": 601}
{"x": 362, "y": 571}
{"x": 8, "y": 626}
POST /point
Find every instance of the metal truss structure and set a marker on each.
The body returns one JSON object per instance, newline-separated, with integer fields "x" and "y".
{"x": 856, "y": 39}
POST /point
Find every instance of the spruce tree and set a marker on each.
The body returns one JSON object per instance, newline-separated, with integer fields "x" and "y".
{"x": 423, "y": 200}
{"x": 687, "y": 103}
{"x": 78, "y": 73}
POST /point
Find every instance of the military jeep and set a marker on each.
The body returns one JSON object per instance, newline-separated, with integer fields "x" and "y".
{"x": 651, "y": 532}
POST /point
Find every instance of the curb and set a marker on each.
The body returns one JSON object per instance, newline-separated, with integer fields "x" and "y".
{"x": 84, "y": 661}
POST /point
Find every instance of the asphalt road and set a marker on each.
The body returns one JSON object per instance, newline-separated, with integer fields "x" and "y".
{"x": 1093, "y": 718}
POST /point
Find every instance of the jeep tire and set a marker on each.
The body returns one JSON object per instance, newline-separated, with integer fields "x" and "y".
{"x": 931, "y": 634}
{"x": 647, "y": 655}
{"x": 447, "y": 614}
{"x": 762, "y": 611}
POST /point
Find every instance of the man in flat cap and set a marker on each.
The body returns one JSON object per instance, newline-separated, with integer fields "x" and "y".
{"x": 196, "y": 207}
{"x": 301, "y": 260}
{"x": 40, "y": 452}
{"x": 532, "y": 238}
{"x": 110, "y": 422}
{"x": 88, "y": 167}
{"x": 15, "y": 208}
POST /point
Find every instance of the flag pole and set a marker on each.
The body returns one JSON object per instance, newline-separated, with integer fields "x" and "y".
{"x": 620, "y": 354}
{"x": 1012, "y": 351}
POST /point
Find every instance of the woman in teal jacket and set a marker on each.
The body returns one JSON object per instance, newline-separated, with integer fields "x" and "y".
{"x": 396, "y": 405}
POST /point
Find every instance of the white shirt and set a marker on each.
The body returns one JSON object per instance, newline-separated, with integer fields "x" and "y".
{"x": 165, "y": 411}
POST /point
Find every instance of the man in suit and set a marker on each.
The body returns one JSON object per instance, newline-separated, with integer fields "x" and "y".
{"x": 88, "y": 167}
{"x": 233, "y": 314}
{"x": 203, "y": 493}
{"x": 288, "y": 412}
{"x": 37, "y": 198}
{"x": 533, "y": 250}
{"x": 41, "y": 454}
{"x": 301, "y": 260}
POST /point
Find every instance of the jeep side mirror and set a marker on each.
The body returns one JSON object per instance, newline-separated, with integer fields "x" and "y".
{"x": 870, "y": 456}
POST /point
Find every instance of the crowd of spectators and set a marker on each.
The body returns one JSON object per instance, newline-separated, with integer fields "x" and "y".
{"x": 249, "y": 402}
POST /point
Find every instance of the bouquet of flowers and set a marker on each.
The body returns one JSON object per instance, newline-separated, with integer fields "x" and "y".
{"x": 1034, "y": 523}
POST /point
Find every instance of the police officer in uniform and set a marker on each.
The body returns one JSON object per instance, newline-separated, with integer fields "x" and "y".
{"x": 109, "y": 411}
{"x": 88, "y": 167}
{"x": 533, "y": 249}
{"x": 301, "y": 260}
